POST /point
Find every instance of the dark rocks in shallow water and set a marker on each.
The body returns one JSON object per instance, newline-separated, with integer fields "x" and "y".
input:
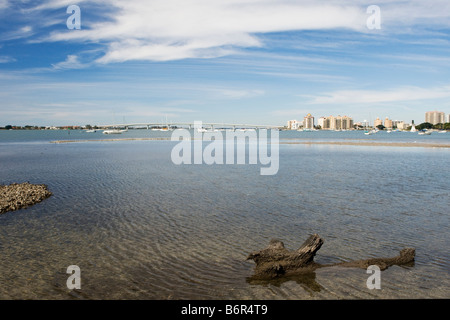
{"x": 21, "y": 195}
{"x": 275, "y": 260}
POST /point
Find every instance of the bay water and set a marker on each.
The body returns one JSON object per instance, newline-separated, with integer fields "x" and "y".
{"x": 140, "y": 227}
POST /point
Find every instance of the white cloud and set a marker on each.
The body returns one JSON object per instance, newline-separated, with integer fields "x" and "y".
{"x": 177, "y": 29}
{"x": 161, "y": 30}
{"x": 291, "y": 113}
{"x": 71, "y": 62}
{"x": 26, "y": 29}
{"x": 239, "y": 94}
{"x": 6, "y": 59}
{"x": 382, "y": 96}
{"x": 4, "y": 4}
{"x": 23, "y": 32}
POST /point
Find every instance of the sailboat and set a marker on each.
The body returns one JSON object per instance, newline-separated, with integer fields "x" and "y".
{"x": 368, "y": 132}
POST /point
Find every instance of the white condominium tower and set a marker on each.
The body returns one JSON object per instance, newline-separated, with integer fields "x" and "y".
{"x": 435, "y": 117}
{"x": 308, "y": 122}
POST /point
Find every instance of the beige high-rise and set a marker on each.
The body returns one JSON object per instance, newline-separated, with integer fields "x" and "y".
{"x": 435, "y": 117}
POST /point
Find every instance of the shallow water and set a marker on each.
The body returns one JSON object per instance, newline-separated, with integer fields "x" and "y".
{"x": 140, "y": 227}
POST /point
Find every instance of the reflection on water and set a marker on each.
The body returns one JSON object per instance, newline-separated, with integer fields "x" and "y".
{"x": 140, "y": 227}
{"x": 307, "y": 281}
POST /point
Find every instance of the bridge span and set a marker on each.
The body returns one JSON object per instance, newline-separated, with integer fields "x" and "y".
{"x": 190, "y": 125}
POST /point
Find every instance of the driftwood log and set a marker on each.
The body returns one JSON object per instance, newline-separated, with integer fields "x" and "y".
{"x": 275, "y": 260}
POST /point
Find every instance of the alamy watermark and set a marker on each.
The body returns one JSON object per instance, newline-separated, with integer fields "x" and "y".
{"x": 374, "y": 21}
{"x": 235, "y": 147}
{"x": 374, "y": 281}
{"x": 74, "y": 21}
{"x": 74, "y": 281}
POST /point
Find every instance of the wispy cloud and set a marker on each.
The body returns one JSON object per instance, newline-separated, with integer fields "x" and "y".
{"x": 289, "y": 114}
{"x": 4, "y": 4}
{"x": 72, "y": 62}
{"x": 6, "y": 59}
{"x": 19, "y": 33}
{"x": 239, "y": 94}
{"x": 162, "y": 30}
{"x": 178, "y": 29}
{"x": 382, "y": 96}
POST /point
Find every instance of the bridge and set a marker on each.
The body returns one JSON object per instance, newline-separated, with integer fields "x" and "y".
{"x": 190, "y": 125}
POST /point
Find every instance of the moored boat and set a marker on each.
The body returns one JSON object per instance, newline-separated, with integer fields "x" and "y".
{"x": 112, "y": 131}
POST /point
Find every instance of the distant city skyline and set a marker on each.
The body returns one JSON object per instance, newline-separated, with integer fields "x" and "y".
{"x": 433, "y": 117}
{"x": 246, "y": 61}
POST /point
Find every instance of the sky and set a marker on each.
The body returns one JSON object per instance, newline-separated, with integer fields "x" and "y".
{"x": 222, "y": 61}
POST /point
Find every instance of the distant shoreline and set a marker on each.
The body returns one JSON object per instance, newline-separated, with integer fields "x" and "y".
{"x": 109, "y": 140}
{"x": 343, "y": 143}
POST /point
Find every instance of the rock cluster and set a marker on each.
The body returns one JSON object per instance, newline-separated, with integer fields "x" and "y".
{"x": 21, "y": 195}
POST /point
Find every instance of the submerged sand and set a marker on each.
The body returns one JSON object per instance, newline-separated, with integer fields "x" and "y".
{"x": 375, "y": 144}
{"x": 368, "y": 143}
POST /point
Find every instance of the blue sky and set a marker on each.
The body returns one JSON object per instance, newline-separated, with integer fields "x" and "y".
{"x": 248, "y": 61}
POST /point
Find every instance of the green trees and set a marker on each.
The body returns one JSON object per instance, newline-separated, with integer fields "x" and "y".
{"x": 442, "y": 126}
{"x": 439, "y": 126}
{"x": 424, "y": 125}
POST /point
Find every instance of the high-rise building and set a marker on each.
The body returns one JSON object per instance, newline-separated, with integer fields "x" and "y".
{"x": 326, "y": 121}
{"x": 293, "y": 124}
{"x": 377, "y": 122}
{"x": 388, "y": 123}
{"x": 321, "y": 122}
{"x": 435, "y": 117}
{"x": 447, "y": 118}
{"x": 337, "y": 123}
{"x": 308, "y": 122}
{"x": 401, "y": 125}
{"x": 346, "y": 123}
{"x": 395, "y": 123}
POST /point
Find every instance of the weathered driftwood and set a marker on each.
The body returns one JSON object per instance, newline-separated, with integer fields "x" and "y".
{"x": 17, "y": 196}
{"x": 275, "y": 260}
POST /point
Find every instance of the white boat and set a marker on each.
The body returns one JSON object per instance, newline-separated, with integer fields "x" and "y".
{"x": 112, "y": 131}
{"x": 424, "y": 132}
{"x": 370, "y": 132}
{"x": 162, "y": 129}
{"x": 90, "y": 131}
{"x": 201, "y": 130}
